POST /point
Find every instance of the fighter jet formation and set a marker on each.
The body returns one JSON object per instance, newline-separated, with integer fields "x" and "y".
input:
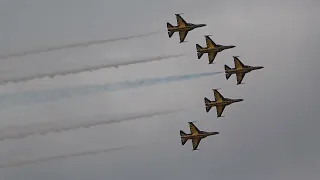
{"x": 220, "y": 102}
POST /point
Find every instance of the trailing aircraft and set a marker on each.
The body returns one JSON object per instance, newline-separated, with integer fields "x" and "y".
{"x": 195, "y": 135}
{"x": 212, "y": 49}
{"x": 182, "y": 27}
{"x": 240, "y": 69}
{"x": 220, "y": 102}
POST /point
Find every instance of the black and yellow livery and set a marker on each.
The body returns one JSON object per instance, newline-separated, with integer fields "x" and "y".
{"x": 182, "y": 27}
{"x": 195, "y": 135}
{"x": 220, "y": 102}
{"x": 212, "y": 49}
{"x": 240, "y": 69}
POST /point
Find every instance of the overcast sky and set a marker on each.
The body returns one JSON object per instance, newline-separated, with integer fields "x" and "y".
{"x": 272, "y": 134}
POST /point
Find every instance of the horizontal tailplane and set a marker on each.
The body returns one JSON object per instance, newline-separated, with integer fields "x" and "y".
{"x": 170, "y": 33}
{"x": 226, "y": 67}
{"x": 169, "y": 25}
{"x": 182, "y": 133}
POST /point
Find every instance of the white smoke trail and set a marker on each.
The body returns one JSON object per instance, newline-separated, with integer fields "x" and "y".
{"x": 87, "y": 69}
{"x": 28, "y": 98}
{"x": 68, "y": 46}
{"x": 27, "y": 130}
{"x": 45, "y": 159}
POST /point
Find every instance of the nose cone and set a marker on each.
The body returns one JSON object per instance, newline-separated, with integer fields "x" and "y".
{"x": 213, "y": 133}
{"x": 201, "y": 25}
{"x": 259, "y": 67}
{"x": 228, "y": 47}
{"x": 238, "y": 100}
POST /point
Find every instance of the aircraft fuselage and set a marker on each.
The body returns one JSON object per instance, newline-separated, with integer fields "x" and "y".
{"x": 177, "y": 28}
{"x": 201, "y": 135}
{"x": 214, "y": 49}
{"x": 243, "y": 70}
{"x": 223, "y": 103}
{"x": 185, "y": 28}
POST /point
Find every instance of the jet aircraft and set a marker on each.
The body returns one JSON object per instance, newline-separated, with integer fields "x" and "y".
{"x": 195, "y": 135}
{"x": 240, "y": 69}
{"x": 220, "y": 102}
{"x": 212, "y": 49}
{"x": 182, "y": 27}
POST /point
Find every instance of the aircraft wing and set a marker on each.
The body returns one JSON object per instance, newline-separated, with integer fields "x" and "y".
{"x": 183, "y": 35}
{"x": 217, "y": 95}
{"x": 180, "y": 21}
{"x": 209, "y": 42}
{"x": 193, "y": 128}
{"x": 220, "y": 110}
{"x": 195, "y": 143}
{"x": 240, "y": 76}
{"x": 212, "y": 56}
{"x": 237, "y": 63}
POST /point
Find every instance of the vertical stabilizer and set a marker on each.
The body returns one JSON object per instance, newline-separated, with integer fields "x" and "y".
{"x": 170, "y": 33}
{"x": 206, "y": 102}
{"x": 199, "y": 54}
{"x": 183, "y": 140}
{"x": 227, "y": 68}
